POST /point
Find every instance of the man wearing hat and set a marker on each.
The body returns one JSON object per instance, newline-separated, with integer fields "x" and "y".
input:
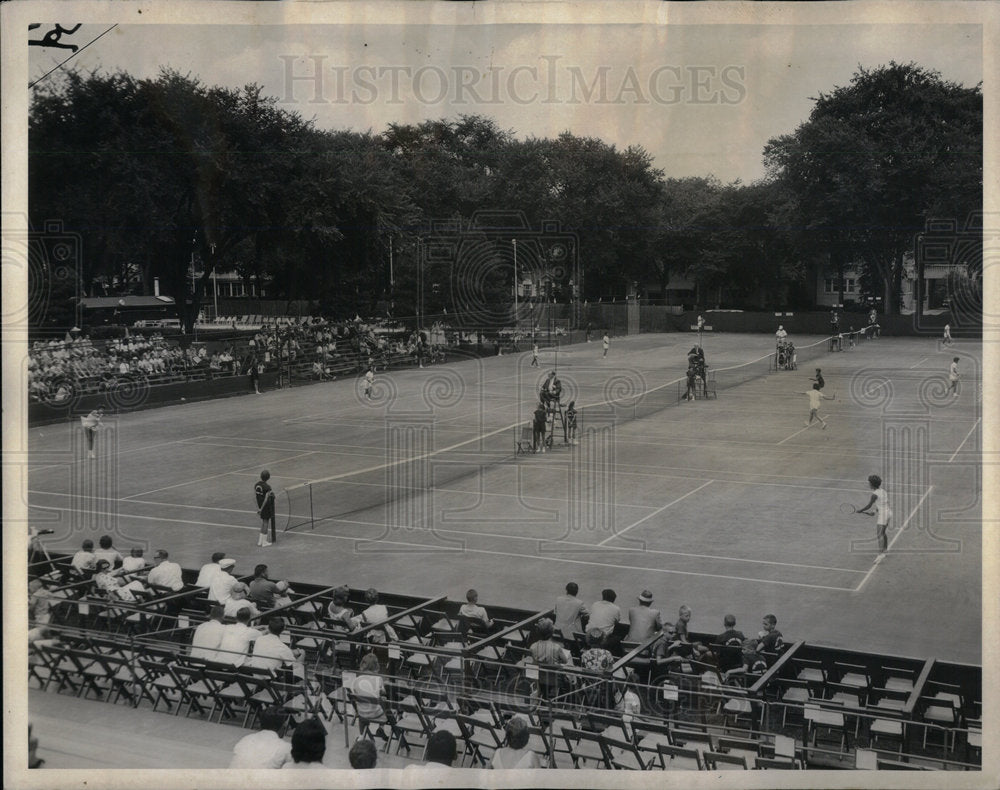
{"x": 223, "y": 582}
{"x": 643, "y": 620}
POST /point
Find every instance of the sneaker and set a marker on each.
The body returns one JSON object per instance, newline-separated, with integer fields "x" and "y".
{"x": 267, "y": 543}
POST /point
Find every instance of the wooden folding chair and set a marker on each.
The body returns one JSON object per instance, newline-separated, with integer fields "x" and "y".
{"x": 675, "y": 758}
{"x": 717, "y": 761}
{"x": 585, "y": 748}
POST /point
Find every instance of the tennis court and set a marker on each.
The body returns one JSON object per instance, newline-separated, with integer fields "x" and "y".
{"x": 727, "y": 504}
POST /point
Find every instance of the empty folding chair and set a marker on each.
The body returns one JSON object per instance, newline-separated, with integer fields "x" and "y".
{"x": 717, "y": 761}
{"x": 676, "y": 758}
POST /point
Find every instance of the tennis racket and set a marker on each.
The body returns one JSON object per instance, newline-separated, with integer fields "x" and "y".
{"x": 850, "y": 509}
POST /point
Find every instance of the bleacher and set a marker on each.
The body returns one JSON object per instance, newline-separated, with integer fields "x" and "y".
{"x": 813, "y": 707}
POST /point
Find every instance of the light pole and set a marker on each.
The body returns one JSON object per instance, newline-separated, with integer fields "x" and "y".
{"x": 514, "y": 242}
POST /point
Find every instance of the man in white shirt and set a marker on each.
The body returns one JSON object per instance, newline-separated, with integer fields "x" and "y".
{"x": 164, "y": 573}
{"x": 236, "y": 639}
{"x": 84, "y": 560}
{"x": 222, "y": 583}
{"x": 209, "y": 569}
{"x": 269, "y": 652}
{"x": 208, "y": 636}
{"x": 375, "y": 613}
{"x": 263, "y": 749}
{"x": 569, "y": 612}
{"x": 781, "y": 334}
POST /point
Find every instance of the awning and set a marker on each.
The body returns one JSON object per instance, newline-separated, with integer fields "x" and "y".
{"x": 124, "y": 302}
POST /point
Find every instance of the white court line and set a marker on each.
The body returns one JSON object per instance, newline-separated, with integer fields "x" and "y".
{"x": 213, "y": 477}
{"x": 800, "y": 430}
{"x": 964, "y": 440}
{"x": 123, "y": 452}
{"x": 467, "y": 550}
{"x": 918, "y": 363}
{"x": 655, "y": 512}
{"x": 894, "y": 537}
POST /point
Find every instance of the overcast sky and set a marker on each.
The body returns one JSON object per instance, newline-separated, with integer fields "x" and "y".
{"x": 702, "y": 99}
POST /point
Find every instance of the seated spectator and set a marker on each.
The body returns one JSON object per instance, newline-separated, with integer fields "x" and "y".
{"x": 108, "y": 581}
{"x": 337, "y": 613}
{"x": 730, "y": 636}
{"x": 515, "y": 752}
{"x": 264, "y": 748}
{"x": 84, "y": 561}
{"x": 605, "y": 614}
{"x": 546, "y": 650}
{"x": 238, "y": 600}
{"x": 223, "y": 581}
{"x": 753, "y": 661}
{"x": 375, "y": 613}
{"x": 596, "y": 658}
{"x": 629, "y": 703}
{"x": 669, "y": 649}
{"x": 262, "y": 589}
{"x": 108, "y": 552}
{"x": 236, "y": 639}
{"x": 165, "y": 573}
{"x": 570, "y": 612}
{"x": 270, "y": 652}
{"x": 441, "y": 750}
{"x": 363, "y": 754}
{"x": 696, "y": 649}
{"x": 209, "y": 569}
{"x": 770, "y": 639}
{"x": 135, "y": 562}
{"x": 369, "y": 690}
{"x": 308, "y": 745}
{"x": 643, "y": 620}
{"x": 474, "y": 613}
{"x": 208, "y": 636}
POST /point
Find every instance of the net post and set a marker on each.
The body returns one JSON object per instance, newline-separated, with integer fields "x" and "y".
{"x": 312, "y": 517}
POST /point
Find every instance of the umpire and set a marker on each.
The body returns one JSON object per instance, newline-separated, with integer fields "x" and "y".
{"x": 265, "y": 509}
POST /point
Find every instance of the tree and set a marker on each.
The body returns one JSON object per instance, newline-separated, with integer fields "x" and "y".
{"x": 875, "y": 160}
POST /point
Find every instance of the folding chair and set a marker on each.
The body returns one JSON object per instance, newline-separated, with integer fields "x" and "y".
{"x": 717, "y": 761}
{"x": 739, "y": 747}
{"x": 674, "y": 758}
{"x": 940, "y": 711}
{"x": 623, "y": 755}
{"x": 525, "y": 441}
{"x": 482, "y": 739}
{"x": 774, "y": 763}
{"x": 585, "y": 747}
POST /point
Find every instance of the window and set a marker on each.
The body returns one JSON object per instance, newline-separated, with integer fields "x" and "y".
{"x": 830, "y": 285}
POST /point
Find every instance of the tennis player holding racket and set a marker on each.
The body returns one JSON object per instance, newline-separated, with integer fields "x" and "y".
{"x": 880, "y": 502}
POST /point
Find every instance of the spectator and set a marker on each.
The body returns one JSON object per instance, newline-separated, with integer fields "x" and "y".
{"x": 780, "y": 335}
{"x": 629, "y": 704}
{"x": 270, "y": 652}
{"x": 39, "y": 603}
{"x": 223, "y": 581}
{"x": 605, "y": 614}
{"x": 236, "y": 639}
{"x": 538, "y": 427}
{"x": 208, "y": 636}
{"x": 338, "y": 614}
{"x": 165, "y": 573}
{"x": 570, "y": 612}
{"x": 262, "y": 589}
{"x": 209, "y": 570}
{"x": 135, "y": 562}
{"x": 696, "y": 649}
{"x": 363, "y": 754}
{"x": 515, "y": 752}
{"x": 34, "y": 761}
{"x": 441, "y": 749}
{"x": 238, "y": 600}
{"x": 546, "y": 650}
{"x": 770, "y": 639}
{"x": 374, "y": 614}
{"x": 106, "y": 580}
{"x": 84, "y": 561}
{"x": 369, "y": 690}
{"x": 753, "y": 661}
{"x": 264, "y": 748}
{"x": 596, "y": 658}
{"x": 474, "y": 613}
{"x": 644, "y": 620}
{"x": 730, "y": 636}
{"x": 108, "y": 552}
{"x": 308, "y": 745}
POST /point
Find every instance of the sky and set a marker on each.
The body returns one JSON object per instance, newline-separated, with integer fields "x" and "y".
{"x": 702, "y": 99}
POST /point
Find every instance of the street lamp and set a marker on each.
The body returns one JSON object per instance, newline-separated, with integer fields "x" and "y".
{"x": 514, "y": 242}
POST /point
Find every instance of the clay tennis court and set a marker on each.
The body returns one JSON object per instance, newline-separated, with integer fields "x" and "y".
{"x": 725, "y": 504}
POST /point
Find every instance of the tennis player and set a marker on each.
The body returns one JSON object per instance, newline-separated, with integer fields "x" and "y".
{"x": 814, "y": 401}
{"x": 264, "y": 495}
{"x": 606, "y": 343}
{"x": 534, "y": 355}
{"x": 953, "y": 378}
{"x": 946, "y": 340}
{"x": 92, "y": 422}
{"x": 882, "y": 513}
